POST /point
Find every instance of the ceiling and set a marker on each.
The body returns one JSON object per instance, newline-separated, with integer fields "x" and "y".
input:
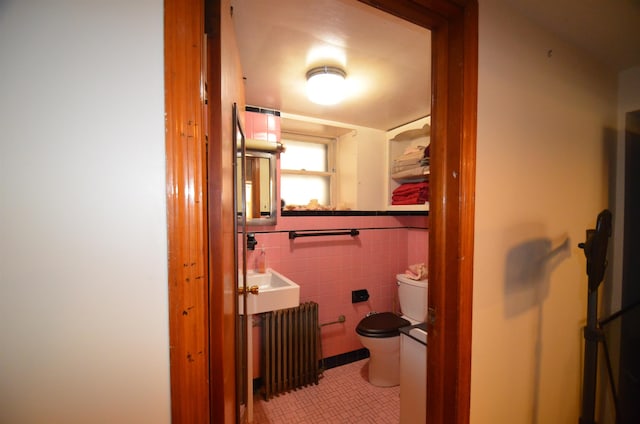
{"x": 387, "y": 60}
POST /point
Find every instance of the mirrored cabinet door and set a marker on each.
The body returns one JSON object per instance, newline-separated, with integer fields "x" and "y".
{"x": 259, "y": 188}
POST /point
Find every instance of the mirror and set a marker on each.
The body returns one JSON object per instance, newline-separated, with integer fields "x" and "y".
{"x": 259, "y": 188}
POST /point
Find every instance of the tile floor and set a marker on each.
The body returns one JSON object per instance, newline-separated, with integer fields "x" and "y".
{"x": 343, "y": 396}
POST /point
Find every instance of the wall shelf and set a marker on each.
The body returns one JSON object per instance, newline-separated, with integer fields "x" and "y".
{"x": 413, "y": 134}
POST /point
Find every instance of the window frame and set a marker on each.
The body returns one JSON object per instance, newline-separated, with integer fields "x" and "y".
{"x": 331, "y": 172}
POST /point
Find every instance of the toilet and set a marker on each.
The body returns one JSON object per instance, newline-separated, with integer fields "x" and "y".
{"x": 380, "y": 334}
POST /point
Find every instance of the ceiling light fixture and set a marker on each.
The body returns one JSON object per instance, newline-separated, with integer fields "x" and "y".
{"x": 326, "y": 85}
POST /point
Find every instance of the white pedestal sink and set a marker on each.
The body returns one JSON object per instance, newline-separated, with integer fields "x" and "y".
{"x": 274, "y": 291}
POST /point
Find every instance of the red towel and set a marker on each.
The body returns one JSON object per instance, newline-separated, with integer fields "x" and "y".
{"x": 411, "y": 194}
{"x": 411, "y": 187}
{"x": 408, "y": 202}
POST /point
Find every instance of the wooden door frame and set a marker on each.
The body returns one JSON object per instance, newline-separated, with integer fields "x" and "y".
{"x": 454, "y": 26}
{"x": 186, "y": 212}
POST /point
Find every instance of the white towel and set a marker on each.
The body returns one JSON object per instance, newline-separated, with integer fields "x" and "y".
{"x": 417, "y": 271}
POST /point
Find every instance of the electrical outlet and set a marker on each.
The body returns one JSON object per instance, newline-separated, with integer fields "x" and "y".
{"x": 359, "y": 296}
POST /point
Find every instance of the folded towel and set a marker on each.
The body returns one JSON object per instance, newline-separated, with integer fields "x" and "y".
{"x": 409, "y": 201}
{"x": 414, "y": 149}
{"x": 411, "y": 193}
{"x": 417, "y": 271}
{"x": 417, "y": 155}
{"x": 414, "y": 172}
{"x": 422, "y": 194}
{"x": 398, "y": 165}
{"x": 411, "y": 187}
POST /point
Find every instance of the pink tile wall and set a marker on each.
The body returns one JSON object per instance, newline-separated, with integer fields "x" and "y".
{"x": 329, "y": 268}
{"x": 417, "y": 246}
{"x": 262, "y": 126}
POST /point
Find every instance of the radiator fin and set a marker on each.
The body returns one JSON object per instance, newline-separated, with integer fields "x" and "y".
{"x": 291, "y": 342}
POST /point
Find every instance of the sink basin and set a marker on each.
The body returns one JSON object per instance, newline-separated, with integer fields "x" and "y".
{"x": 275, "y": 291}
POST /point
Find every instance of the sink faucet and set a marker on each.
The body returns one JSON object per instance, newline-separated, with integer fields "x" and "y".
{"x": 251, "y": 241}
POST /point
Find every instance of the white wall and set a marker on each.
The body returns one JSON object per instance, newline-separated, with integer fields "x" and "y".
{"x": 544, "y": 113}
{"x": 83, "y": 268}
{"x": 360, "y": 164}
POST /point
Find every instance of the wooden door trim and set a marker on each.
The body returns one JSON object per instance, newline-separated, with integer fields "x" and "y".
{"x": 186, "y": 212}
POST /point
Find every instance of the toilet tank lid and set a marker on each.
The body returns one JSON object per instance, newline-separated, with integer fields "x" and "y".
{"x": 406, "y": 280}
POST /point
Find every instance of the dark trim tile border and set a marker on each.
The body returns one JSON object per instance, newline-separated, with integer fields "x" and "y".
{"x": 344, "y": 358}
{"x": 262, "y": 110}
{"x": 327, "y": 363}
{"x": 354, "y": 213}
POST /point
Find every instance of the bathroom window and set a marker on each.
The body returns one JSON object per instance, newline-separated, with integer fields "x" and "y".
{"x": 307, "y": 171}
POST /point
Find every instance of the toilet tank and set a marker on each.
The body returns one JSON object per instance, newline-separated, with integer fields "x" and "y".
{"x": 413, "y": 298}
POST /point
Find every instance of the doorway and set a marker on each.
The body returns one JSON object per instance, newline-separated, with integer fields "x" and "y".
{"x": 387, "y": 64}
{"x": 629, "y": 378}
{"x": 198, "y": 361}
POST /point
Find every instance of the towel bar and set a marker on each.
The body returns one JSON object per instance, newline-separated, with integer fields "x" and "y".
{"x": 312, "y": 233}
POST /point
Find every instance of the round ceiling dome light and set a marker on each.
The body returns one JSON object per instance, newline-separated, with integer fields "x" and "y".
{"x": 326, "y": 85}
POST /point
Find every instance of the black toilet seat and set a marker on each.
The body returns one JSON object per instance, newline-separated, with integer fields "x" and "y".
{"x": 385, "y": 324}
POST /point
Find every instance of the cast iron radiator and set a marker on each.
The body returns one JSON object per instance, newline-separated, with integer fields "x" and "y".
{"x": 291, "y": 342}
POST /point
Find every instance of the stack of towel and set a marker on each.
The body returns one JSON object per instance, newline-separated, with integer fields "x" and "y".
{"x": 414, "y": 162}
{"x": 411, "y": 194}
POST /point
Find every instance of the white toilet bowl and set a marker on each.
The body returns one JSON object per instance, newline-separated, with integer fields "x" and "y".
{"x": 380, "y": 334}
